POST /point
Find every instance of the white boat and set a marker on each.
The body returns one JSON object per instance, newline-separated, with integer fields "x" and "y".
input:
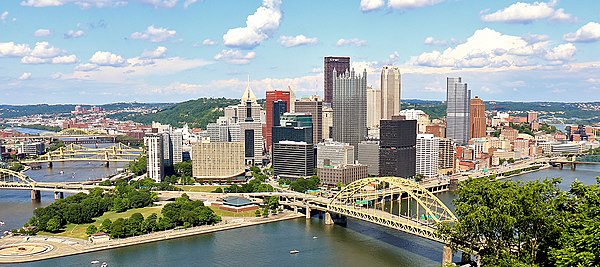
{"x": 1, "y": 223}
{"x": 104, "y": 264}
{"x": 95, "y": 262}
{"x": 314, "y": 237}
{"x": 294, "y": 251}
{"x": 61, "y": 171}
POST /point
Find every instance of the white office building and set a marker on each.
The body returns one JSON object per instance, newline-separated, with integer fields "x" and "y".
{"x": 427, "y": 155}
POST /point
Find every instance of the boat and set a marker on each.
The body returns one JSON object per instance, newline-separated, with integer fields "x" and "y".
{"x": 1, "y": 223}
{"x": 294, "y": 251}
{"x": 104, "y": 264}
{"x": 314, "y": 237}
{"x": 95, "y": 262}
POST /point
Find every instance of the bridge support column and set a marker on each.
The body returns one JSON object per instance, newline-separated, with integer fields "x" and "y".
{"x": 59, "y": 195}
{"x": 107, "y": 164}
{"x": 36, "y": 195}
{"x": 573, "y": 166}
{"x": 296, "y": 209}
{"x": 328, "y": 219}
{"x": 446, "y": 256}
{"x": 49, "y": 164}
{"x": 307, "y": 212}
{"x": 561, "y": 166}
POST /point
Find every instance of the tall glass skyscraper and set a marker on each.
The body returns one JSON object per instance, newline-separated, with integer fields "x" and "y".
{"x": 457, "y": 110}
{"x": 340, "y": 65}
{"x": 390, "y": 92}
{"x": 350, "y": 108}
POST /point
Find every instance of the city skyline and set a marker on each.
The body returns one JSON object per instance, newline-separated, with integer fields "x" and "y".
{"x": 170, "y": 51}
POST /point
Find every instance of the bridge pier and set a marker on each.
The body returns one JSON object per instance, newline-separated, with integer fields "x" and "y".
{"x": 107, "y": 164}
{"x": 561, "y": 166}
{"x": 573, "y": 166}
{"x": 36, "y": 195}
{"x": 328, "y": 219}
{"x": 446, "y": 255}
{"x": 59, "y": 195}
{"x": 50, "y": 164}
{"x": 307, "y": 212}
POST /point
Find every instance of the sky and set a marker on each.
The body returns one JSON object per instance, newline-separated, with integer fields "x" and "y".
{"x": 104, "y": 51}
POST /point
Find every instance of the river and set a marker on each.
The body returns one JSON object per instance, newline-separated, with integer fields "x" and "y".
{"x": 357, "y": 244}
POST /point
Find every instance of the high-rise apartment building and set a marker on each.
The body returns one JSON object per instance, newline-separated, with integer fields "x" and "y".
{"x": 427, "y": 155}
{"x": 217, "y": 160}
{"x": 314, "y": 106}
{"x": 390, "y": 92}
{"x": 446, "y": 159}
{"x": 397, "y": 151}
{"x": 349, "y": 107}
{"x": 340, "y": 65}
{"x": 373, "y": 107}
{"x": 271, "y": 97}
{"x": 154, "y": 151}
{"x": 224, "y": 130}
{"x": 457, "y": 110}
{"x": 477, "y": 118}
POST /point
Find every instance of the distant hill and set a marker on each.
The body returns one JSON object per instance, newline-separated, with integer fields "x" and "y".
{"x": 11, "y": 111}
{"x": 196, "y": 113}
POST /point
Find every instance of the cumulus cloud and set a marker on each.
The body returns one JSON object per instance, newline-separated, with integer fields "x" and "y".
{"x": 103, "y": 58}
{"x": 25, "y": 76}
{"x": 259, "y": 26}
{"x": 351, "y": 42}
{"x": 73, "y": 34}
{"x": 209, "y": 42}
{"x": 42, "y": 33}
{"x": 188, "y": 3}
{"x": 432, "y": 41}
{"x": 235, "y": 56}
{"x": 70, "y": 59}
{"x": 291, "y": 41}
{"x": 45, "y": 50}
{"x": 370, "y": 5}
{"x": 11, "y": 49}
{"x": 154, "y": 34}
{"x": 4, "y": 15}
{"x": 411, "y": 4}
{"x": 489, "y": 48}
{"x": 159, "y": 52}
{"x": 527, "y": 13}
{"x": 80, "y": 3}
{"x": 588, "y": 33}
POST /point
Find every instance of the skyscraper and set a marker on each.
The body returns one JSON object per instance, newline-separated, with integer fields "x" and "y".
{"x": 154, "y": 147}
{"x": 397, "y": 152}
{"x": 373, "y": 107}
{"x": 457, "y": 110}
{"x": 296, "y": 127}
{"x": 477, "y": 118}
{"x": 350, "y": 108}
{"x": 251, "y": 132}
{"x": 427, "y": 155}
{"x": 313, "y": 106}
{"x": 390, "y": 92}
{"x": 271, "y": 97}
{"x": 341, "y": 65}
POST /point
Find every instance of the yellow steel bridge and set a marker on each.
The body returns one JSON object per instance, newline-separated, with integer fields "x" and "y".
{"x": 73, "y": 152}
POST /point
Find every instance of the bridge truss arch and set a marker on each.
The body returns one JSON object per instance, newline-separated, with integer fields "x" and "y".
{"x": 393, "y": 202}
{"x": 9, "y": 177}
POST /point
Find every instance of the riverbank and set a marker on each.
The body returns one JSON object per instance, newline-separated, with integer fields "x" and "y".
{"x": 62, "y": 247}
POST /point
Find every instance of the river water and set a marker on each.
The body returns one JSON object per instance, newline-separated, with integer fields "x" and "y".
{"x": 357, "y": 244}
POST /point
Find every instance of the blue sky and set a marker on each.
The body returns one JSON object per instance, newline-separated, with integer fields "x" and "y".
{"x": 101, "y": 51}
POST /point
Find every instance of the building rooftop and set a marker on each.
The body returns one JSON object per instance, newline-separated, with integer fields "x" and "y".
{"x": 237, "y": 201}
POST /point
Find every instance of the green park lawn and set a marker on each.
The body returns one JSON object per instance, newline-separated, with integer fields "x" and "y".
{"x": 78, "y": 230}
{"x": 224, "y": 213}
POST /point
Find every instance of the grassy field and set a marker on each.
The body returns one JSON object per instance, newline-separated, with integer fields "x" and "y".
{"x": 224, "y": 213}
{"x": 200, "y": 188}
{"x": 78, "y": 230}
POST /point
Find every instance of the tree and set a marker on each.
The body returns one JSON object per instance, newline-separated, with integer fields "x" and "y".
{"x": 91, "y": 229}
{"x": 117, "y": 229}
{"x": 271, "y": 202}
{"x": 183, "y": 168}
{"x": 150, "y": 223}
{"x": 53, "y": 225}
{"x": 418, "y": 177}
{"x": 106, "y": 225}
{"x": 257, "y": 213}
{"x": 218, "y": 190}
{"x": 265, "y": 212}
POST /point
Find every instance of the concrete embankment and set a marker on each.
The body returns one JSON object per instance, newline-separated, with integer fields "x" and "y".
{"x": 62, "y": 247}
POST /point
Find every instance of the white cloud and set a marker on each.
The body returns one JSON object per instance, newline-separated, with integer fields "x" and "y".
{"x": 370, "y": 5}
{"x": 81, "y": 3}
{"x": 527, "y": 13}
{"x": 154, "y": 34}
{"x": 489, "y": 48}
{"x": 188, "y": 3}
{"x": 86, "y": 67}
{"x": 411, "y": 4}
{"x": 209, "y": 42}
{"x": 235, "y": 56}
{"x": 42, "y": 33}
{"x": 432, "y": 41}
{"x": 25, "y": 76}
{"x": 4, "y": 15}
{"x": 44, "y": 50}
{"x": 70, "y": 59}
{"x": 259, "y": 26}
{"x": 291, "y": 41}
{"x": 159, "y": 52}
{"x": 102, "y": 58}
{"x": 73, "y": 34}
{"x": 33, "y": 60}
{"x": 561, "y": 53}
{"x": 11, "y": 49}
{"x": 536, "y": 38}
{"x": 351, "y": 42}
{"x": 588, "y": 33}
